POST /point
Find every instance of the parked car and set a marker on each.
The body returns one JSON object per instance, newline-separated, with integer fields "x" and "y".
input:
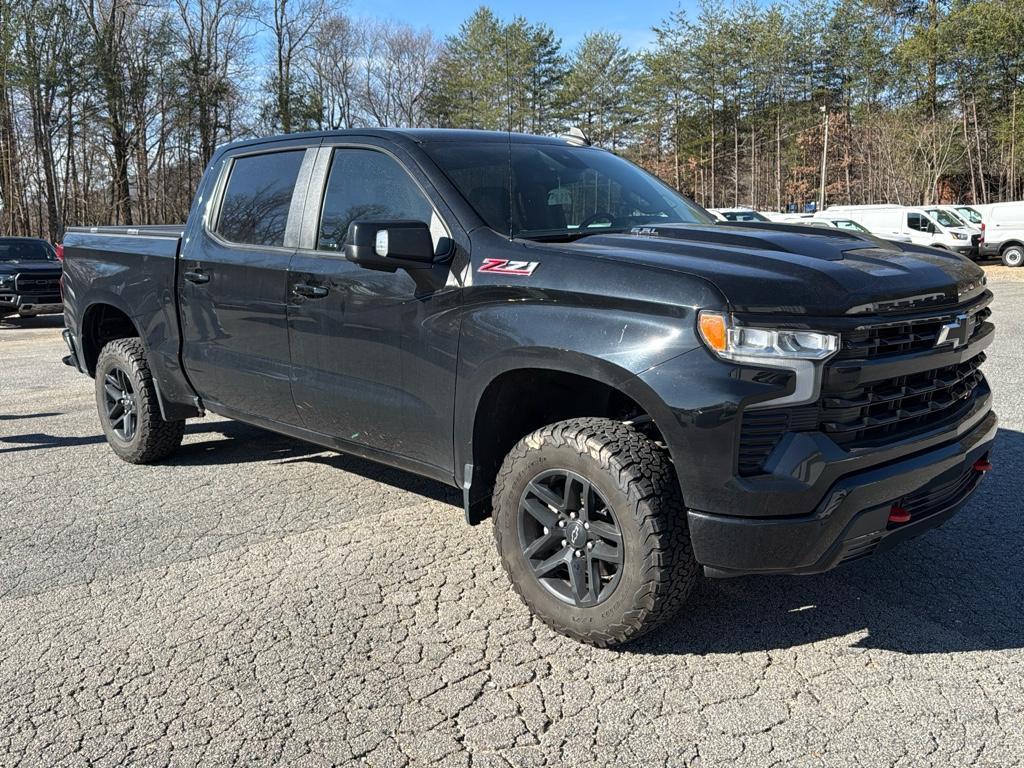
{"x": 1003, "y": 233}
{"x": 739, "y": 214}
{"x": 838, "y": 222}
{"x": 636, "y": 393}
{"x": 916, "y": 223}
{"x": 29, "y": 278}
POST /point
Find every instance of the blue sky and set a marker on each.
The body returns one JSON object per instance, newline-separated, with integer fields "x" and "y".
{"x": 571, "y": 19}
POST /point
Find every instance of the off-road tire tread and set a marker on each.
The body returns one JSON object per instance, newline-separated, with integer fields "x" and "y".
{"x": 643, "y": 470}
{"x": 157, "y": 439}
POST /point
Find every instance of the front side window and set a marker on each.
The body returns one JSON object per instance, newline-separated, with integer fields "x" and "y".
{"x": 254, "y": 210}
{"x": 917, "y": 221}
{"x": 366, "y": 184}
{"x": 553, "y": 191}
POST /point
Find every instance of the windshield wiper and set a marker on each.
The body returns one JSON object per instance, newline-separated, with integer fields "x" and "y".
{"x": 573, "y": 234}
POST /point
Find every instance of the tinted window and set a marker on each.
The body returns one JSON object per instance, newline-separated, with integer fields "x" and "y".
{"x": 364, "y": 184}
{"x": 25, "y": 250}
{"x": 917, "y": 221}
{"x": 258, "y": 195}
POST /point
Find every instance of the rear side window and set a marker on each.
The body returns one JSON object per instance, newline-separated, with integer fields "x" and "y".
{"x": 254, "y": 210}
{"x": 917, "y": 221}
{"x": 365, "y": 184}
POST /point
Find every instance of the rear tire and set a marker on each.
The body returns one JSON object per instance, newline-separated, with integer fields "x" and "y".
{"x": 1013, "y": 255}
{"x": 633, "y": 498}
{"x": 128, "y": 407}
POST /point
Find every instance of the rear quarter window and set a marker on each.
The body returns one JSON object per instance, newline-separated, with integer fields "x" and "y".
{"x": 258, "y": 195}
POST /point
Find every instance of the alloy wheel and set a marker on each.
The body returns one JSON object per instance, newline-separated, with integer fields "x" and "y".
{"x": 570, "y": 538}
{"x": 122, "y": 410}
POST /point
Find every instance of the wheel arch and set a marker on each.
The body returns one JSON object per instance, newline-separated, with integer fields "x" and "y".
{"x": 104, "y": 321}
{"x": 513, "y": 399}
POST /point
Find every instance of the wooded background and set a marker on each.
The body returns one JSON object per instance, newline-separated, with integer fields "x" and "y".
{"x": 110, "y": 109}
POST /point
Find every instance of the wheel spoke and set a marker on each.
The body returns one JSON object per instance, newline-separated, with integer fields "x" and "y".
{"x": 541, "y": 513}
{"x": 594, "y": 578}
{"x": 604, "y": 551}
{"x": 114, "y": 422}
{"x": 540, "y": 544}
{"x": 129, "y": 425}
{"x": 115, "y": 411}
{"x": 111, "y": 381}
{"x": 578, "y": 578}
{"x": 112, "y": 392}
{"x": 546, "y": 495}
{"x": 603, "y": 530}
{"x": 557, "y": 559}
{"x": 584, "y": 510}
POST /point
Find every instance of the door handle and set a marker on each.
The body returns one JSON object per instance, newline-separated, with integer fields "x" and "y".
{"x": 309, "y": 291}
{"x": 197, "y": 276}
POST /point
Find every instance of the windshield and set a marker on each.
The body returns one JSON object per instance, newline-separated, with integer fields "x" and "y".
{"x": 559, "y": 192}
{"x": 744, "y": 216}
{"x": 13, "y": 249}
{"x": 945, "y": 218}
{"x": 966, "y": 212}
{"x": 851, "y": 225}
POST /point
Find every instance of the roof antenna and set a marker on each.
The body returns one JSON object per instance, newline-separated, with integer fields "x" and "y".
{"x": 508, "y": 135}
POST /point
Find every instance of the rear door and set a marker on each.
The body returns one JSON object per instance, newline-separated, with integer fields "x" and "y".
{"x": 373, "y": 352}
{"x": 233, "y": 279}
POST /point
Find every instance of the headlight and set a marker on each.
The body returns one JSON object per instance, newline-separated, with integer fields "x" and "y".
{"x": 731, "y": 341}
{"x": 7, "y": 282}
{"x": 959, "y": 235}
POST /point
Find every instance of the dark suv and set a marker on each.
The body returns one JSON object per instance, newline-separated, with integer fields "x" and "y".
{"x": 29, "y": 277}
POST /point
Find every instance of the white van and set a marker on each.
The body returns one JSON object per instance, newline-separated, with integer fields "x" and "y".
{"x": 1002, "y": 233}
{"x": 921, "y": 227}
{"x": 948, "y": 216}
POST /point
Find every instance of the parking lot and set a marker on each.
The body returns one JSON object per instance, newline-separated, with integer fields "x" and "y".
{"x": 255, "y": 600}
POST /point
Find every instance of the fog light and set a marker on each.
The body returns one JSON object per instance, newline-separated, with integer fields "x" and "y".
{"x": 982, "y": 465}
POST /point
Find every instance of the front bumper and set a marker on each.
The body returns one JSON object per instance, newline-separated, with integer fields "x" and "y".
{"x": 852, "y": 519}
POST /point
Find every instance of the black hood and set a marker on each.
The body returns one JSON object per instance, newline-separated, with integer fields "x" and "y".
{"x": 14, "y": 267}
{"x": 775, "y": 268}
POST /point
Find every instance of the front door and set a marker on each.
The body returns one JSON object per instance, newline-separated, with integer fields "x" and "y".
{"x": 233, "y": 279}
{"x": 373, "y": 352}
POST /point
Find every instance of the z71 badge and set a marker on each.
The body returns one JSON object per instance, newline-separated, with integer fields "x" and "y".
{"x": 508, "y": 267}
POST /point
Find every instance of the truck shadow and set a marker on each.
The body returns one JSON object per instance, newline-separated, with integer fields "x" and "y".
{"x": 40, "y": 321}
{"x": 956, "y": 588}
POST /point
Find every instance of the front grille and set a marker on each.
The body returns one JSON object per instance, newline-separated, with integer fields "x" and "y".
{"x": 891, "y": 339}
{"x": 878, "y": 412}
{"x": 37, "y": 284}
{"x": 889, "y": 409}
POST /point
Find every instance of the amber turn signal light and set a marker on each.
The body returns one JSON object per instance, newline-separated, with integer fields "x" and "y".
{"x": 713, "y": 330}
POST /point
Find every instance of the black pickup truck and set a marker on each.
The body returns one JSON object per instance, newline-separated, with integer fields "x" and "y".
{"x": 638, "y": 395}
{"x": 29, "y": 278}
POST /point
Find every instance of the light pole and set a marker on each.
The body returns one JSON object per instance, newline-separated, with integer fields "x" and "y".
{"x": 824, "y": 157}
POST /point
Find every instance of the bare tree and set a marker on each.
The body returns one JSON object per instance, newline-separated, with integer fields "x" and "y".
{"x": 294, "y": 26}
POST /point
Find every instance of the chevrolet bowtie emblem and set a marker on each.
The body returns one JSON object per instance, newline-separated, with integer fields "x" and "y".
{"x": 955, "y": 333}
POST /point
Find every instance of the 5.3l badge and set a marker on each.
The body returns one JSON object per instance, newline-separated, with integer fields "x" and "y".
{"x": 508, "y": 267}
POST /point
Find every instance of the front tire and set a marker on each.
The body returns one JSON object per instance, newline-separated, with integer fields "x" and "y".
{"x": 128, "y": 408}
{"x": 1013, "y": 255}
{"x": 591, "y": 529}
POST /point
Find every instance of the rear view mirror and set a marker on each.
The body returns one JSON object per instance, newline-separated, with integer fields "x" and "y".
{"x": 388, "y": 245}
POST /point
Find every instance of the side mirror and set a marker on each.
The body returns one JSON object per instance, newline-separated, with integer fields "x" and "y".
{"x": 389, "y": 245}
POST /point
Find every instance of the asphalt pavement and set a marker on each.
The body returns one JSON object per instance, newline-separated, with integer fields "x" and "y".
{"x": 257, "y": 601}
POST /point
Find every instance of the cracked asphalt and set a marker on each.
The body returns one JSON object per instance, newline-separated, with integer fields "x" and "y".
{"x": 257, "y": 601}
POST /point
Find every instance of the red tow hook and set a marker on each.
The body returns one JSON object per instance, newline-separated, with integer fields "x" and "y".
{"x": 983, "y": 465}
{"x": 898, "y": 515}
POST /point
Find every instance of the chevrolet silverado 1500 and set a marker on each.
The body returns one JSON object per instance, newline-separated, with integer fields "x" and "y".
{"x": 637, "y": 394}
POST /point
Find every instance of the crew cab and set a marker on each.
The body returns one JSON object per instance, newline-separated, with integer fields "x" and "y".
{"x": 636, "y": 393}
{"x": 29, "y": 278}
